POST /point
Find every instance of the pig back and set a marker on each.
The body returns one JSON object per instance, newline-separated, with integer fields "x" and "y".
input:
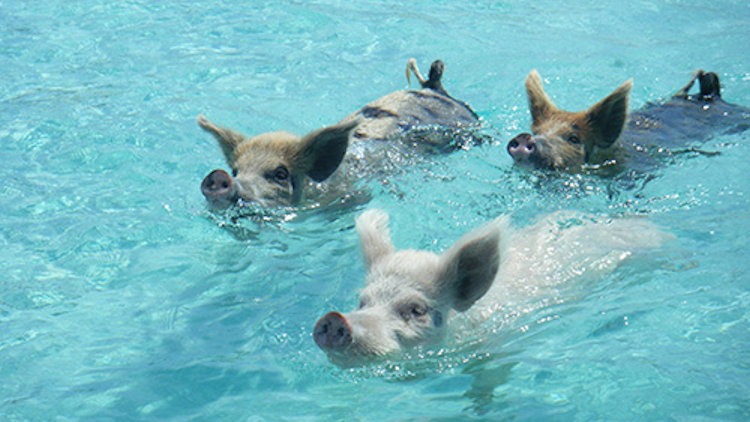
{"x": 401, "y": 111}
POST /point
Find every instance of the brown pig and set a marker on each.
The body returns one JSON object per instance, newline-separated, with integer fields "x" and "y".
{"x": 605, "y": 135}
{"x": 275, "y": 169}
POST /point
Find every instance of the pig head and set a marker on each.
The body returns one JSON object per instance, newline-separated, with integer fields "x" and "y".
{"x": 565, "y": 140}
{"x": 409, "y": 294}
{"x": 272, "y": 169}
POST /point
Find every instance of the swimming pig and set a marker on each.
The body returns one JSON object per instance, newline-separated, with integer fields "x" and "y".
{"x": 276, "y": 168}
{"x": 404, "y": 110}
{"x": 412, "y": 297}
{"x": 564, "y": 140}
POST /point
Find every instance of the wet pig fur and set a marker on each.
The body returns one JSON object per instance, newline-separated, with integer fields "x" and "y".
{"x": 412, "y": 297}
{"x": 276, "y": 168}
{"x": 604, "y": 135}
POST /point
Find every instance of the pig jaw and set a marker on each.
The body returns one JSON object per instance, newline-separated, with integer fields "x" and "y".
{"x": 408, "y": 293}
{"x": 353, "y": 339}
{"x": 373, "y": 333}
{"x": 398, "y": 311}
{"x": 223, "y": 191}
{"x": 557, "y": 143}
{"x": 550, "y": 152}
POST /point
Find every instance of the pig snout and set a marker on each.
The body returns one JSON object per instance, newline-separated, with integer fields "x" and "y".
{"x": 219, "y": 189}
{"x": 522, "y": 147}
{"x": 332, "y": 332}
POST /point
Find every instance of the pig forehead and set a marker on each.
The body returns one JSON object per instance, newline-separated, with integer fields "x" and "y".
{"x": 560, "y": 122}
{"x": 411, "y": 263}
{"x": 389, "y": 293}
{"x": 555, "y": 124}
{"x": 275, "y": 138}
{"x": 415, "y": 270}
{"x": 279, "y": 143}
{"x": 261, "y": 157}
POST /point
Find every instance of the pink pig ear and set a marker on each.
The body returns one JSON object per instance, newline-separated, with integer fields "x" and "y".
{"x": 374, "y": 235}
{"x": 227, "y": 138}
{"x": 470, "y": 267}
{"x": 540, "y": 105}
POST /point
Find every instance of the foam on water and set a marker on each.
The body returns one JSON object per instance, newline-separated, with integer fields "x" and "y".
{"x": 123, "y": 298}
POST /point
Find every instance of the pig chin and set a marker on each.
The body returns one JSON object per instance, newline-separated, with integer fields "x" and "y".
{"x": 369, "y": 344}
{"x": 358, "y": 354}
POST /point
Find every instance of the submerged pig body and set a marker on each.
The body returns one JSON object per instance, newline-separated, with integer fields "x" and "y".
{"x": 605, "y": 135}
{"x": 277, "y": 168}
{"x": 411, "y": 298}
{"x": 402, "y": 111}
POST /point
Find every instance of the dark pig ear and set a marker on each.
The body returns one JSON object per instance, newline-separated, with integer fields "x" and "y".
{"x": 227, "y": 138}
{"x": 607, "y": 117}
{"x": 709, "y": 84}
{"x": 539, "y": 103}
{"x": 470, "y": 267}
{"x": 322, "y": 151}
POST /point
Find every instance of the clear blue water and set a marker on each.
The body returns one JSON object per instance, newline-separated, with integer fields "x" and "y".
{"x": 123, "y": 298}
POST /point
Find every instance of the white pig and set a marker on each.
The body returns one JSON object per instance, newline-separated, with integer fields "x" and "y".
{"x": 411, "y": 296}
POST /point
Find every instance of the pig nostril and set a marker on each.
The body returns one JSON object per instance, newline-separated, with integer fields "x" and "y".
{"x": 332, "y": 332}
{"x": 530, "y": 147}
{"x": 513, "y": 144}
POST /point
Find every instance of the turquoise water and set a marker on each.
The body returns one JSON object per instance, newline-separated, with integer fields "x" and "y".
{"x": 123, "y": 298}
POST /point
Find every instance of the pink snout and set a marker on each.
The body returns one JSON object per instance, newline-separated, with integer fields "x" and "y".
{"x": 332, "y": 332}
{"x": 219, "y": 189}
{"x": 522, "y": 147}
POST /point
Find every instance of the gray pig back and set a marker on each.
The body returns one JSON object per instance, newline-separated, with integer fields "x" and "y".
{"x": 403, "y": 110}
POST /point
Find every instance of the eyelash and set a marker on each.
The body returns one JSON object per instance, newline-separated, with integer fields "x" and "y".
{"x": 413, "y": 311}
{"x": 574, "y": 139}
{"x": 279, "y": 175}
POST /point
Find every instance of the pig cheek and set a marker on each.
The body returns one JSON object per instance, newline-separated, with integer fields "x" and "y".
{"x": 557, "y": 154}
{"x": 545, "y": 156}
{"x": 258, "y": 190}
{"x": 246, "y": 187}
{"x": 372, "y": 336}
{"x": 279, "y": 195}
{"x": 572, "y": 156}
{"x": 420, "y": 333}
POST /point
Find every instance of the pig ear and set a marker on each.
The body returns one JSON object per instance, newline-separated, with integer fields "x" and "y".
{"x": 228, "y": 139}
{"x": 470, "y": 267}
{"x": 607, "y": 117}
{"x": 374, "y": 235}
{"x": 539, "y": 103}
{"x": 321, "y": 151}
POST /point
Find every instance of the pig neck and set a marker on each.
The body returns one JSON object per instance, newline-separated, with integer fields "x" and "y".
{"x": 557, "y": 259}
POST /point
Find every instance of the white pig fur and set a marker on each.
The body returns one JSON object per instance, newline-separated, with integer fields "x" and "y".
{"x": 412, "y": 296}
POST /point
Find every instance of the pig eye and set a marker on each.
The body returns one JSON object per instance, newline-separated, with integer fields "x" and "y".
{"x": 418, "y": 311}
{"x": 234, "y": 172}
{"x": 280, "y": 175}
{"x": 574, "y": 139}
{"x": 414, "y": 310}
